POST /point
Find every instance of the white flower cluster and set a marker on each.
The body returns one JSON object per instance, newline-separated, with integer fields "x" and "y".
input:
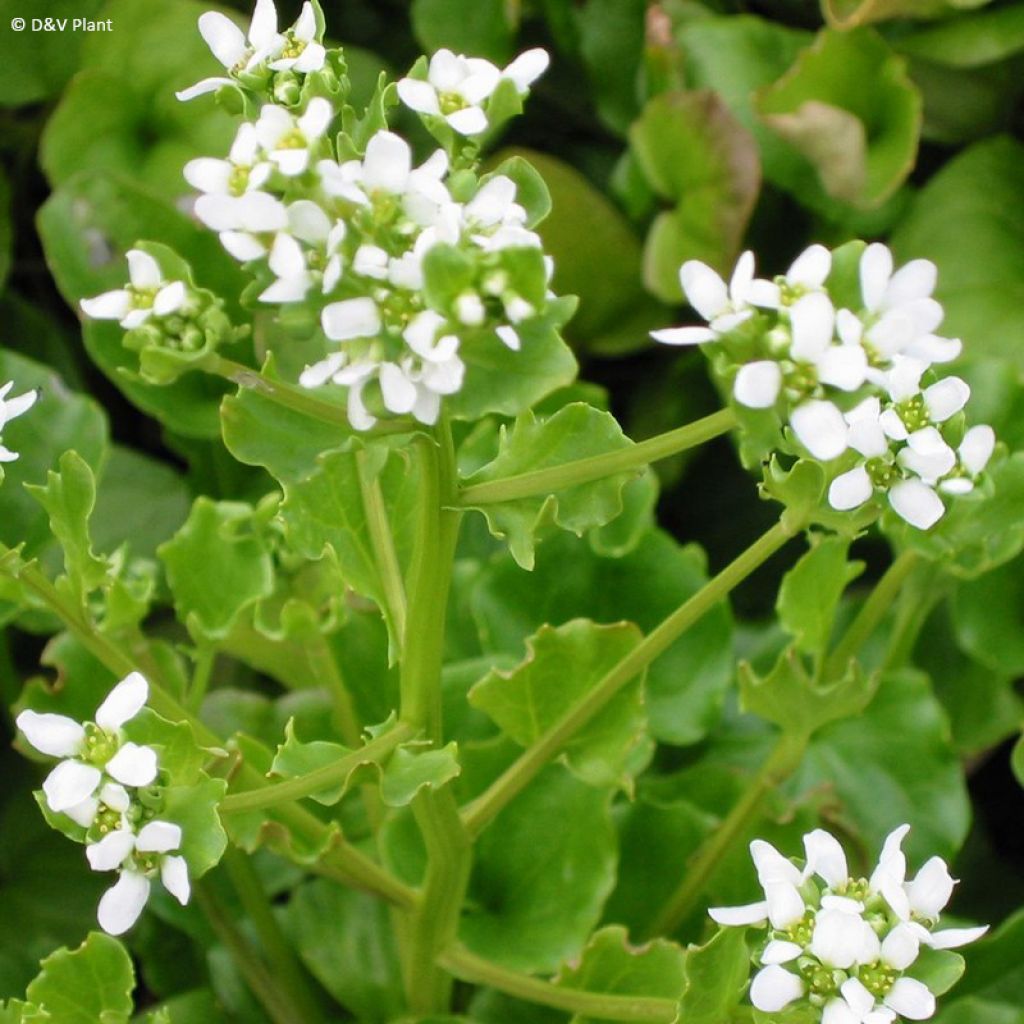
{"x": 96, "y": 784}
{"x": 265, "y": 50}
{"x": 11, "y": 408}
{"x": 844, "y": 945}
{"x": 146, "y": 296}
{"x": 350, "y": 237}
{"x": 848, "y": 381}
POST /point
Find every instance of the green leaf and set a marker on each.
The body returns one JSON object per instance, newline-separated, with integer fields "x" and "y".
{"x": 995, "y": 970}
{"x": 576, "y": 431}
{"x": 562, "y": 665}
{"x": 294, "y": 758}
{"x": 89, "y": 985}
{"x": 987, "y": 615}
{"x": 966, "y": 220}
{"x": 972, "y": 40}
{"x": 811, "y": 590}
{"x": 217, "y": 564}
{"x": 412, "y": 768}
{"x": 895, "y": 762}
{"x": 597, "y": 257}
{"x": 849, "y": 107}
{"x": 697, "y": 155}
{"x": 194, "y": 808}
{"x": 611, "y": 43}
{"x": 477, "y": 28}
{"x": 686, "y": 685}
{"x": 532, "y": 190}
{"x": 980, "y": 1011}
{"x": 849, "y": 14}
{"x": 346, "y": 940}
{"x": 791, "y": 698}
{"x": 716, "y": 977}
{"x": 609, "y": 964}
{"x": 69, "y": 497}
{"x": 86, "y": 226}
{"x": 939, "y": 969}
{"x": 536, "y": 857}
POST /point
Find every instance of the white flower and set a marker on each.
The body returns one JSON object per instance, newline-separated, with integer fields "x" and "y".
{"x": 147, "y": 295}
{"x": 12, "y": 408}
{"x": 289, "y": 141}
{"x": 527, "y": 68}
{"x": 94, "y": 750}
{"x": 301, "y": 51}
{"x": 297, "y": 269}
{"x": 455, "y": 89}
{"x": 243, "y": 171}
{"x": 812, "y": 323}
{"x": 138, "y": 858}
{"x": 841, "y": 936}
{"x": 243, "y": 222}
{"x": 972, "y": 457}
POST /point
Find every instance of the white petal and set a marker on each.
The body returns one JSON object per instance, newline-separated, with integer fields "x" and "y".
{"x": 218, "y": 212}
{"x": 785, "y": 904}
{"x": 70, "y": 783}
{"x": 927, "y": 455}
{"x": 931, "y": 889}
{"x": 143, "y": 270}
{"x": 446, "y": 70}
{"x": 839, "y": 938}
{"x": 492, "y": 201}
{"x": 764, "y": 294}
{"x": 208, "y": 175}
{"x": 811, "y": 267}
{"x": 421, "y": 333}
{"x": 123, "y": 702}
{"x": 224, "y": 38}
{"x": 772, "y": 866}
{"x": 419, "y": 96}
{"x": 135, "y": 318}
{"x": 850, "y": 490}
{"x": 12, "y": 408}
{"x": 837, "y": 1011}
{"x": 133, "y": 765}
{"x": 774, "y": 988}
{"x": 685, "y": 335}
{"x": 843, "y": 366}
{"x": 931, "y": 348}
{"x": 742, "y": 278}
{"x": 892, "y": 425}
{"x": 859, "y": 999}
{"x": 946, "y": 397}
{"x": 311, "y": 59}
{"x": 468, "y": 121}
{"x": 918, "y": 504}
{"x": 953, "y": 938}
{"x": 825, "y": 856}
{"x": 358, "y": 415}
{"x": 108, "y": 306}
{"x": 910, "y": 283}
{"x": 900, "y": 947}
{"x": 387, "y": 163}
{"x": 527, "y": 68}
{"x": 398, "y": 392}
{"x": 258, "y": 212}
{"x": 848, "y": 327}
{"x": 263, "y": 27}
{"x": 170, "y": 298}
{"x": 291, "y": 162}
{"x": 820, "y": 428}
{"x": 174, "y": 875}
{"x": 371, "y": 261}
{"x": 287, "y": 289}
{"x": 307, "y": 221}
{"x": 704, "y": 289}
{"x": 813, "y": 321}
{"x": 115, "y": 797}
{"x": 903, "y": 381}
{"x": 315, "y": 120}
{"x": 926, "y": 315}
{"x": 320, "y": 373}
{"x": 780, "y": 952}
{"x": 749, "y": 913}
{"x": 110, "y": 852}
{"x": 911, "y": 999}
{"x": 286, "y": 258}
{"x": 476, "y": 87}
{"x": 509, "y": 337}
{"x": 201, "y": 88}
{"x": 351, "y": 318}
{"x": 122, "y": 903}
{"x": 757, "y": 384}
{"x": 158, "y": 837}
{"x": 875, "y": 272}
{"x": 427, "y": 407}
{"x": 84, "y": 814}
{"x": 243, "y": 246}
{"x": 976, "y": 448}
{"x": 56, "y": 735}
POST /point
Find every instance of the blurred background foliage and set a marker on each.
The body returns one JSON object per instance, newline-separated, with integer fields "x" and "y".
{"x": 665, "y": 130}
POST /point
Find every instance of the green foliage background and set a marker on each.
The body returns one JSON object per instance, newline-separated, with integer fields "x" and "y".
{"x": 665, "y": 131}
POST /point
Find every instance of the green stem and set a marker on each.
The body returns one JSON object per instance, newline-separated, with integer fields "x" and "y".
{"x": 521, "y": 772}
{"x": 781, "y": 763}
{"x": 205, "y": 657}
{"x": 383, "y": 544}
{"x": 277, "y": 951}
{"x": 328, "y": 775}
{"x": 293, "y": 397}
{"x": 434, "y": 925}
{"x": 261, "y": 982}
{"x": 597, "y": 1005}
{"x": 923, "y": 592}
{"x": 323, "y": 667}
{"x": 870, "y": 616}
{"x": 597, "y": 467}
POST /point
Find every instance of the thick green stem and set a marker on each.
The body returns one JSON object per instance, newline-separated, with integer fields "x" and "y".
{"x": 262, "y": 982}
{"x": 478, "y": 971}
{"x": 329, "y": 775}
{"x": 383, "y": 545}
{"x": 597, "y": 467}
{"x": 782, "y": 762}
{"x": 871, "y": 614}
{"x": 433, "y": 927}
{"x": 277, "y": 951}
{"x": 522, "y": 771}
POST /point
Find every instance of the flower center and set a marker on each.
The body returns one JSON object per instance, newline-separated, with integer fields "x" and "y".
{"x": 450, "y": 102}
{"x": 238, "y": 180}
{"x": 293, "y": 139}
{"x": 877, "y": 978}
{"x": 914, "y": 413}
{"x": 100, "y": 746}
{"x": 293, "y": 47}
{"x": 883, "y": 475}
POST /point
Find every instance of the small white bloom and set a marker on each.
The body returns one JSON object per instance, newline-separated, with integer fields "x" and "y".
{"x": 757, "y": 384}
{"x": 351, "y": 318}
{"x": 290, "y": 141}
{"x": 148, "y": 294}
{"x": 843, "y": 938}
{"x": 774, "y": 988}
{"x": 300, "y": 51}
{"x": 820, "y": 427}
{"x": 917, "y": 503}
{"x": 455, "y": 89}
{"x": 527, "y": 68}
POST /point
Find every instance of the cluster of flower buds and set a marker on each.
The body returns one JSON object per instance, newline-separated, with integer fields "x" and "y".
{"x": 108, "y": 786}
{"x": 346, "y": 235}
{"x": 11, "y": 408}
{"x": 856, "y": 387}
{"x": 846, "y": 946}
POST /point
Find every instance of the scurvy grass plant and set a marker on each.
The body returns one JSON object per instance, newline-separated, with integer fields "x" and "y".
{"x": 425, "y": 826}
